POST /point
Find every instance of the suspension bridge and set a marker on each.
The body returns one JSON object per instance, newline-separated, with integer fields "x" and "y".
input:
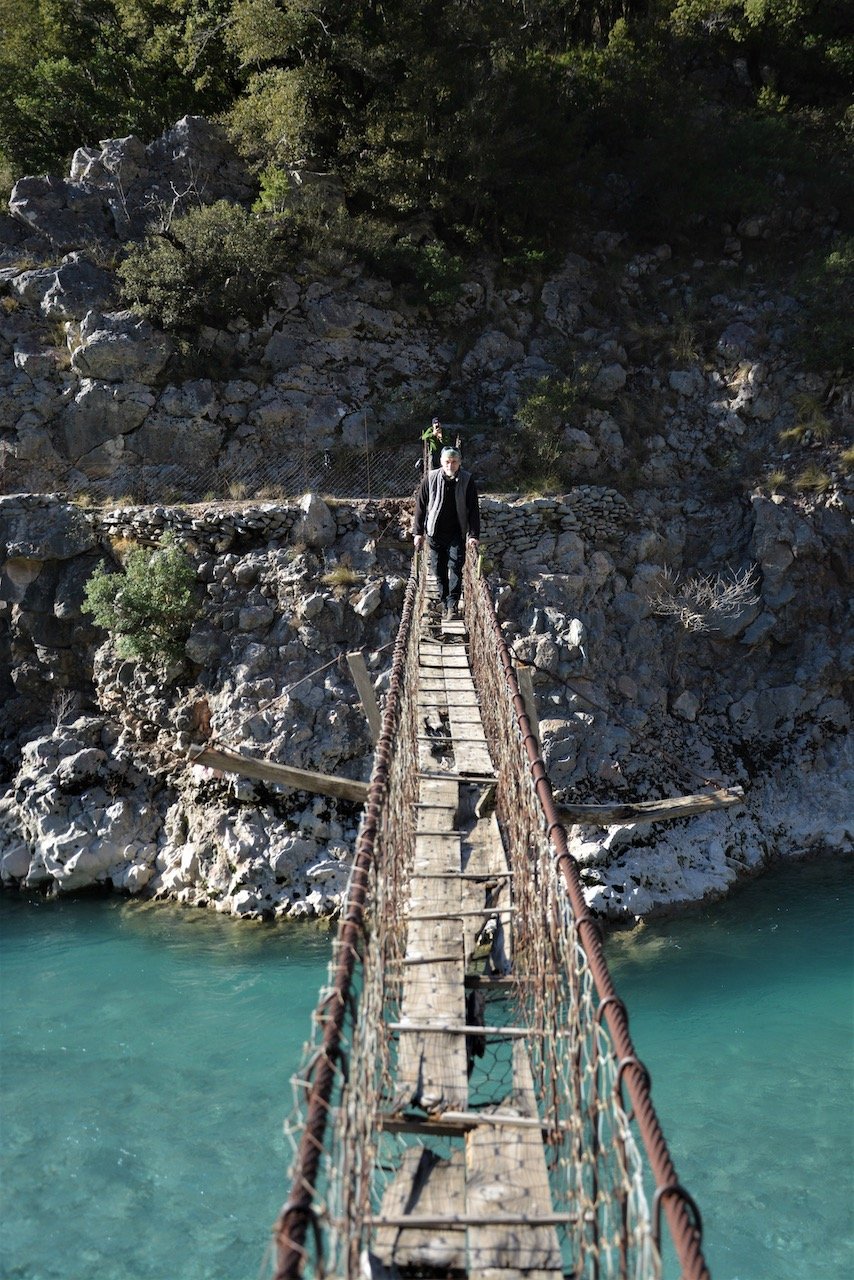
{"x": 472, "y": 1104}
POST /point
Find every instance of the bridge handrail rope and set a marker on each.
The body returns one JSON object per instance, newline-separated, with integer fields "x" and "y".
{"x": 299, "y": 1212}
{"x": 680, "y": 1209}
{"x": 354, "y": 1131}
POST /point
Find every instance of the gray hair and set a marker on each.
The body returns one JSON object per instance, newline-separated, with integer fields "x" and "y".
{"x": 450, "y": 452}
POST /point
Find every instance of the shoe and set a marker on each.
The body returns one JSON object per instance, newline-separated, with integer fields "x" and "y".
{"x": 454, "y": 609}
{"x": 447, "y": 612}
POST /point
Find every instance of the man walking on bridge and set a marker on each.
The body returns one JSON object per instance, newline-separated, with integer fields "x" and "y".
{"x": 448, "y": 510}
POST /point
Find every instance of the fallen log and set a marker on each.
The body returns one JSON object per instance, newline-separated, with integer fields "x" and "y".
{"x": 605, "y": 815}
{"x": 324, "y": 784}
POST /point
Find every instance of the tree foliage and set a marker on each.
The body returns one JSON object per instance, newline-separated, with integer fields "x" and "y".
{"x": 74, "y": 73}
{"x": 149, "y": 607}
{"x": 550, "y": 405}
{"x": 204, "y": 267}
{"x": 498, "y": 123}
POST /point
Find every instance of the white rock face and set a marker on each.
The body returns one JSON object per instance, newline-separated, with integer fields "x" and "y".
{"x": 317, "y": 526}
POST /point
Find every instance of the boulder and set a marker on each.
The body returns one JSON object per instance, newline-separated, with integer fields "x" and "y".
{"x": 316, "y": 526}
{"x": 68, "y": 214}
{"x": 563, "y": 294}
{"x": 68, "y": 291}
{"x": 58, "y": 532}
{"x": 120, "y": 347}
{"x": 610, "y": 379}
{"x": 101, "y": 412}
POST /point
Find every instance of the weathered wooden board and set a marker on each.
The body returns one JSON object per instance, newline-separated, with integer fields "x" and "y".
{"x": 605, "y": 815}
{"x": 471, "y": 754}
{"x": 323, "y": 784}
{"x": 483, "y": 853}
{"x": 472, "y": 758}
{"x": 424, "y": 1185}
{"x": 431, "y": 1066}
{"x": 506, "y": 1171}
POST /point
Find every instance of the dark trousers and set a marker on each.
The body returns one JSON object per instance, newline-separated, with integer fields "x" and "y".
{"x": 446, "y": 561}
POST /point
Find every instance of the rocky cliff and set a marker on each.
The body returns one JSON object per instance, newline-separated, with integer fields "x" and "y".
{"x": 689, "y": 452}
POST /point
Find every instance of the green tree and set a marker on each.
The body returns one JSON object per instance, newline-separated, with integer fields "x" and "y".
{"x": 549, "y": 407}
{"x": 208, "y": 265}
{"x": 73, "y": 73}
{"x": 450, "y": 108}
{"x": 149, "y": 607}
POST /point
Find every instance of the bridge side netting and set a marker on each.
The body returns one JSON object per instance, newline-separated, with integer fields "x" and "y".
{"x": 594, "y": 1164}
{"x": 601, "y": 1179}
{"x": 585, "y": 1062}
{"x": 345, "y": 1067}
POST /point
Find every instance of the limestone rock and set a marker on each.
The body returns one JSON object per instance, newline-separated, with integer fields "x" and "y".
{"x": 610, "y": 379}
{"x": 316, "y": 527}
{"x": 68, "y": 291}
{"x": 120, "y": 347}
{"x": 44, "y": 533}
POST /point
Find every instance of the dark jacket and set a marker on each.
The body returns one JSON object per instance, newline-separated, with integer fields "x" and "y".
{"x": 429, "y": 503}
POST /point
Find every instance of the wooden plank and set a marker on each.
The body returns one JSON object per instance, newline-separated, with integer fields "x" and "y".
{"x": 432, "y": 1065}
{"x": 365, "y": 689}
{"x": 483, "y": 852}
{"x": 507, "y": 1168}
{"x": 425, "y": 1185}
{"x": 456, "y": 1122}
{"x": 472, "y": 757}
{"x": 438, "y": 791}
{"x": 526, "y": 688}
{"x": 323, "y": 784}
{"x": 604, "y": 815}
{"x": 471, "y": 753}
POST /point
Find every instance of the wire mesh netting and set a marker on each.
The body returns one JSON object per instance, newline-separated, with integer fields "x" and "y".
{"x": 382, "y": 472}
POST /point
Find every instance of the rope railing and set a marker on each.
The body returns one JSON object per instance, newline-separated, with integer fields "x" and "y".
{"x": 530, "y": 831}
{"x": 337, "y": 1058}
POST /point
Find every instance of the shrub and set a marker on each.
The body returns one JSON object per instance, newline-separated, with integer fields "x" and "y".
{"x": 812, "y": 478}
{"x": 436, "y": 272}
{"x": 549, "y": 407}
{"x": 810, "y": 423}
{"x": 824, "y": 337}
{"x": 149, "y": 607}
{"x": 341, "y": 576}
{"x": 204, "y": 267}
{"x": 704, "y": 601}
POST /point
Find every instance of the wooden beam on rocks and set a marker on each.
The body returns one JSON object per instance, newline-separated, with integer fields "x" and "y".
{"x": 368, "y": 697}
{"x": 323, "y": 784}
{"x": 526, "y": 688}
{"x": 606, "y": 815}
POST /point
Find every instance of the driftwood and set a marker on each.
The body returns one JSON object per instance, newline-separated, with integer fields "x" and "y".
{"x": 323, "y": 784}
{"x": 604, "y": 815}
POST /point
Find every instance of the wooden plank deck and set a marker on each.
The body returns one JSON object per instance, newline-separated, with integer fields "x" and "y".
{"x": 480, "y": 1204}
{"x": 431, "y": 1065}
{"x": 425, "y": 1185}
{"x": 506, "y": 1169}
{"x": 488, "y": 939}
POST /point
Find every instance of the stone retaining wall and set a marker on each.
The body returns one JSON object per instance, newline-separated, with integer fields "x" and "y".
{"x": 594, "y": 514}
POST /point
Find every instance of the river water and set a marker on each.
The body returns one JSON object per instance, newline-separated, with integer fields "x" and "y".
{"x": 146, "y": 1054}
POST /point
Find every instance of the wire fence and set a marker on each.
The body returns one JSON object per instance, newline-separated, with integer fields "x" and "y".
{"x": 386, "y": 472}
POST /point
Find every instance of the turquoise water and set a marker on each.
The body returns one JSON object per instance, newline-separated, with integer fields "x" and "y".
{"x": 146, "y": 1057}
{"x": 744, "y": 1015}
{"x": 146, "y": 1054}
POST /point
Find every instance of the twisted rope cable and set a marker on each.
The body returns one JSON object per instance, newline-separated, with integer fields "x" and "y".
{"x": 491, "y": 659}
